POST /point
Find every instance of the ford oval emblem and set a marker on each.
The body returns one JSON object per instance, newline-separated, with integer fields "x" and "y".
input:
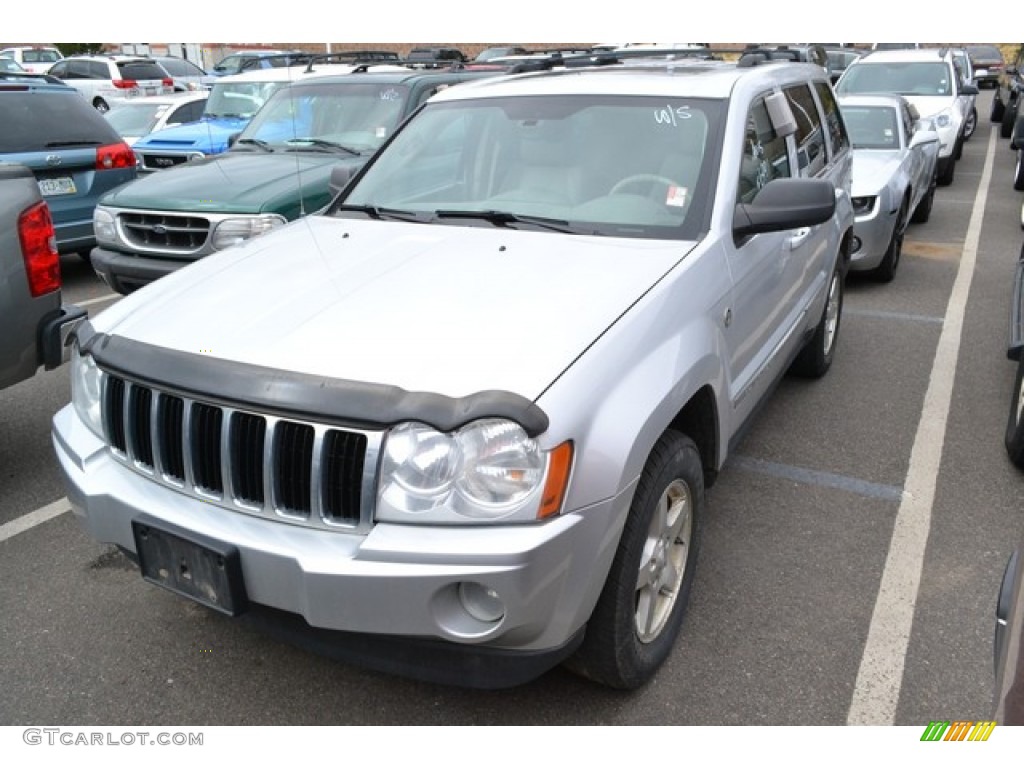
{"x": 159, "y": 229}
{"x": 53, "y": 160}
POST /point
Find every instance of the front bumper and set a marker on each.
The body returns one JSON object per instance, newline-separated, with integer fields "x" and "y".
{"x": 399, "y": 583}
{"x": 873, "y": 230}
{"x": 125, "y": 272}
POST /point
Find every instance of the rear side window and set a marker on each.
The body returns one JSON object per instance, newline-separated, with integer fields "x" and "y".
{"x": 765, "y": 156}
{"x": 40, "y": 56}
{"x": 833, "y": 119}
{"x": 141, "y": 70}
{"x": 810, "y": 137}
{"x": 38, "y": 121}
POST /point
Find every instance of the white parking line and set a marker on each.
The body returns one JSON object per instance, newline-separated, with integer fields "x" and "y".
{"x": 32, "y": 519}
{"x": 98, "y": 299}
{"x": 877, "y": 690}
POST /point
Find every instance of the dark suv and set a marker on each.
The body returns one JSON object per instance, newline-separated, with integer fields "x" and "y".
{"x": 987, "y": 63}
{"x": 1006, "y": 100}
{"x": 75, "y": 154}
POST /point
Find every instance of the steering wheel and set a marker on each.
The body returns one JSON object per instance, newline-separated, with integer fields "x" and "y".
{"x": 639, "y": 178}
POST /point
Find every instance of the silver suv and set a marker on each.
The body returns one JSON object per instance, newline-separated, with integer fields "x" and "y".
{"x": 467, "y": 414}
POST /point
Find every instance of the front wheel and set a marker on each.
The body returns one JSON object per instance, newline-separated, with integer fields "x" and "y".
{"x": 996, "y": 115}
{"x": 886, "y": 270}
{"x": 1018, "y": 173}
{"x": 641, "y": 609}
{"x": 815, "y": 358}
{"x": 1009, "y": 118}
{"x": 947, "y": 169}
{"x": 923, "y": 211}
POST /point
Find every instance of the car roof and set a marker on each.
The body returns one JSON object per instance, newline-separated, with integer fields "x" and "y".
{"x": 697, "y": 78}
{"x": 391, "y": 74}
{"x": 906, "y": 54}
{"x": 286, "y": 74}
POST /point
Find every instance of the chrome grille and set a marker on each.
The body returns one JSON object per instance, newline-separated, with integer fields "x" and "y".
{"x": 308, "y": 473}
{"x": 178, "y": 234}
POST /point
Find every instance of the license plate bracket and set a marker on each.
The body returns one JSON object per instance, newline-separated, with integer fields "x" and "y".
{"x": 190, "y": 564}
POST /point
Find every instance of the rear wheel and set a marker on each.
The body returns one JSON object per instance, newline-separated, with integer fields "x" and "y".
{"x": 970, "y": 124}
{"x": 924, "y": 208}
{"x": 1015, "y": 422}
{"x": 641, "y": 609}
{"x": 1009, "y": 118}
{"x": 996, "y": 115}
{"x": 101, "y": 105}
{"x": 947, "y": 168}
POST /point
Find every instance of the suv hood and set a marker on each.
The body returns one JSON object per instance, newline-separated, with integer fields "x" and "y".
{"x": 207, "y": 132}
{"x": 239, "y": 182}
{"x": 451, "y": 310}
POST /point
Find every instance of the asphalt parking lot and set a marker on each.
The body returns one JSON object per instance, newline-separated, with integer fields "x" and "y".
{"x": 848, "y": 574}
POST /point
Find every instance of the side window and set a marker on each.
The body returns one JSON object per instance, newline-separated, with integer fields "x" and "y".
{"x": 98, "y": 70}
{"x": 79, "y": 70}
{"x": 810, "y": 137}
{"x": 59, "y": 70}
{"x": 833, "y": 119}
{"x": 765, "y": 156}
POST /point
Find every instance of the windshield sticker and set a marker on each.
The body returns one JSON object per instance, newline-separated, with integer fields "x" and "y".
{"x": 381, "y": 132}
{"x": 671, "y": 115}
{"x": 676, "y": 196}
{"x": 390, "y": 95}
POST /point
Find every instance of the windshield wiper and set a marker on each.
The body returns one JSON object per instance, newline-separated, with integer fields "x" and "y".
{"x": 257, "y": 142}
{"x": 504, "y": 218}
{"x": 321, "y": 143}
{"x": 376, "y": 212}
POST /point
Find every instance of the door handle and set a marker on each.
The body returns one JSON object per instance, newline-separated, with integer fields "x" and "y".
{"x": 799, "y": 237}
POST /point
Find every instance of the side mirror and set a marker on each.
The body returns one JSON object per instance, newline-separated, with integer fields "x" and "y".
{"x": 341, "y": 175}
{"x": 785, "y": 204}
{"x": 924, "y": 134}
{"x": 969, "y": 90}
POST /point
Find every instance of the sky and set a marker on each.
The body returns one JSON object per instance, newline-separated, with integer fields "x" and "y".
{"x": 521, "y": 21}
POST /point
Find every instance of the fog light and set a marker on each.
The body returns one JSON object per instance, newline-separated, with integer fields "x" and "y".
{"x": 480, "y": 602}
{"x": 856, "y": 244}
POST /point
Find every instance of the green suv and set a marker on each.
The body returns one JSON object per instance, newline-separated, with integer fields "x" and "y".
{"x": 277, "y": 169}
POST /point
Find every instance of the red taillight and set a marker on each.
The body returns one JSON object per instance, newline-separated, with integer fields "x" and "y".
{"x": 39, "y": 249}
{"x": 125, "y": 84}
{"x": 114, "y": 156}
{"x": 168, "y": 82}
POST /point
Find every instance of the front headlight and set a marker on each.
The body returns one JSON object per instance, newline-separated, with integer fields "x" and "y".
{"x": 944, "y": 119}
{"x": 234, "y": 231}
{"x": 862, "y": 205}
{"x": 487, "y": 470}
{"x": 86, "y": 390}
{"x": 103, "y": 225}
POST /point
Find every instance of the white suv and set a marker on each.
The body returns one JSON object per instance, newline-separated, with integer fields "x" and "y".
{"x": 466, "y": 415}
{"x": 930, "y": 80}
{"x": 36, "y": 59}
{"x": 108, "y": 79}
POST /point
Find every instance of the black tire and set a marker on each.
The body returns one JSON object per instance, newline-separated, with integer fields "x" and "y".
{"x": 947, "y": 169}
{"x": 996, "y": 115}
{"x": 1018, "y": 172}
{"x": 101, "y": 106}
{"x": 886, "y": 269}
{"x": 1009, "y": 119}
{"x": 643, "y": 603}
{"x": 815, "y": 358}
{"x": 1014, "y": 424}
{"x": 971, "y": 124}
{"x": 923, "y": 212}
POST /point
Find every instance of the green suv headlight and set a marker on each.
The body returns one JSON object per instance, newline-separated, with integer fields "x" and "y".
{"x": 234, "y": 231}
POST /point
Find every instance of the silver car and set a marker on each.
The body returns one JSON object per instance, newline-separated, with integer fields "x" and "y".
{"x": 467, "y": 414}
{"x": 894, "y": 177}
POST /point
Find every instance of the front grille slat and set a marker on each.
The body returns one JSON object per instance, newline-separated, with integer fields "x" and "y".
{"x": 180, "y": 234}
{"x": 307, "y": 474}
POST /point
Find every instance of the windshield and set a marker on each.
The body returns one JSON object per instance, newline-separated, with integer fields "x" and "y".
{"x": 355, "y": 116}
{"x": 626, "y": 166}
{"x": 909, "y": 78}
{"x": 871, "y": 127}
{"x": 238, "y": 99}
{"x": 135, "y": 119}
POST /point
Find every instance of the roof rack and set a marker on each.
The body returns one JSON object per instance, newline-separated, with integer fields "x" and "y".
{"x": 353, "y": 57}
